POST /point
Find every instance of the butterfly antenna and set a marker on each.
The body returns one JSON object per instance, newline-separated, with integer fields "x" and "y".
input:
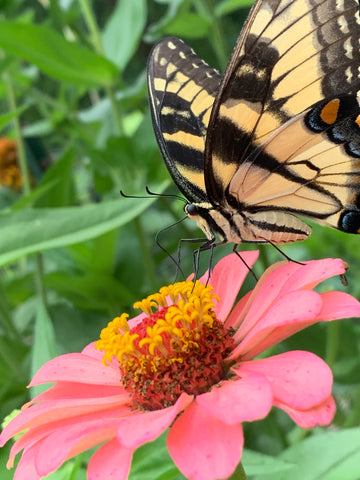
{"x": 132, "y": 196}
{"x": 149, "y": 192}
{"x": 166, "y": 195}
{"x": 245, "y": 263}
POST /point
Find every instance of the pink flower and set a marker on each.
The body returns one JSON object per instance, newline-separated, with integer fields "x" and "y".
{"x": 187, "y": 362}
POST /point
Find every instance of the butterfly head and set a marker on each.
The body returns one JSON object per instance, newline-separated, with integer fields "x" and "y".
{"x": 201, "y": 213}
{"x": 349, "y": 221}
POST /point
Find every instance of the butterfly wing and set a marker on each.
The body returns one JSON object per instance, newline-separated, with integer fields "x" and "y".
{"x": 290, "y": 55}
{"x": 182, "y": 89}
{"x": 316, "y": 173}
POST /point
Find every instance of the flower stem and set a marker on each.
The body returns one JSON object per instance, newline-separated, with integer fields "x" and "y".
{"x": 206, "y": 8}
{"x": 239, "y": 473}
{"x": 148, "y": 259}
{"x": 332, "y": 343}
{"x": 99, "y": 49}
{"x": 26, "y": 180}
{"x": 21, "y": 155}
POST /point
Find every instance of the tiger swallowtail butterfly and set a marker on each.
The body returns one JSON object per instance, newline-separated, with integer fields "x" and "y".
{"x": 278, "y": 135}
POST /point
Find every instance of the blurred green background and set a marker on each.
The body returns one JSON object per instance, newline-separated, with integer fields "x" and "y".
{"x": 74, "y": 253}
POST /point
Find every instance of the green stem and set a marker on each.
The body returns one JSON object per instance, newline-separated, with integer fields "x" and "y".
{"x": 5, "y": 317}
{"x": 21, "y": 155}
{"x": 39, "y": 279}
{"x": 99, "y": 49}
{"x": 332, "y": 343}
{"x": 26, "y": 179}
{"x": 148, "y": 259}
{"x": 207, "y": 8}
{"x": 93, "y": 27}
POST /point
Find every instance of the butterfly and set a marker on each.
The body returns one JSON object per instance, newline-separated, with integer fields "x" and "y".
{"x": 277, "y": 136}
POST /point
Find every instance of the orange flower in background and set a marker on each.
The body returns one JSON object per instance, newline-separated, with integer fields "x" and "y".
{"x": 186, "y": 364}
{"x": 10, "y": 175}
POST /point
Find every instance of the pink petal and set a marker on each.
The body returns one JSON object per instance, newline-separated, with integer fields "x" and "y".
{"x": 226, "y": 279}
{"x": 320, "y": 415}
{"x": 43, "y": 430}
{"x": 58, "y": 410}
{"x": 66, "y": 390}
{"x": 203, "y": 447}
{"x": 283, "y": 278}
{"x": 71, "y": 440}
{"x": 76, "y": 367}
{"x": 299, "y": 379}
{"x": 314, "y": 272}
{"x": 232, "y": 320}
{"x": 26, "y": 467}
{"x": 134, "y": 321}
{"x": 287, "y": 315}
{"x": 247, "y": 399}
{"x": 138, "y": 429}
{"x": 338, "y": 305}
{"x": 91, "y": 351}
{"x": 110, "y": 462}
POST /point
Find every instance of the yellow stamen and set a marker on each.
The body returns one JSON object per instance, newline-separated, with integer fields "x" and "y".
{"x": 186, "y": 308}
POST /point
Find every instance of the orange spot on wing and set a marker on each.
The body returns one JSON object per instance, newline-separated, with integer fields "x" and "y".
{"x": 329, "y": 112}
{"x": 357, "y": 120}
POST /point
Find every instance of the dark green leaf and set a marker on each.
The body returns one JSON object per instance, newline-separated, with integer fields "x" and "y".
{"x": 55, "y": 56}
{"x": 29, "y": 231}
{"x": 123, "y": 31}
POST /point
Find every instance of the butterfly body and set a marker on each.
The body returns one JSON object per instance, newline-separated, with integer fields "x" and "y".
{"x": 278, "y": 135}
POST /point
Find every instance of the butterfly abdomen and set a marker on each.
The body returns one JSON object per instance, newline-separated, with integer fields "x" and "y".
{"x": 231, "y": 225}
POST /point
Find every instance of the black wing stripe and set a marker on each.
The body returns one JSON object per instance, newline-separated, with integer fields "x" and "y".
{"x": 182, "y": 88}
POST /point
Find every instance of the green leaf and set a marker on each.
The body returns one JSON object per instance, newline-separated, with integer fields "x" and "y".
{"x": 255, "y": 463}
{"x": 123, "y": 31}
{"x": 6, "y": 118}
{"x": 188, "y": 25}
{"x": 60, "y": 176}
{"x": 93, "y": 291}
{"x": 229, "y": 6}
{"x": 326, "y": 456}
{"x": 32, "y": 230}
{"x": 152, "y": 460}
{"x": 66, "y": 61}
{"x": 44, "y": 347}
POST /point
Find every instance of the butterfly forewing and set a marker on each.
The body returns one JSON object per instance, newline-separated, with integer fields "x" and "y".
{"x": 182, "y": 89}
{"x": 317, "y": 174}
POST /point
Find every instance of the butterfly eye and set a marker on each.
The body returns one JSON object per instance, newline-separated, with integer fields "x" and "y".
{"x": 191, "y": 210}
{"x": 350, "y": 222}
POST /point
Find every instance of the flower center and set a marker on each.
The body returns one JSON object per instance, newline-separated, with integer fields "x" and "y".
{"x": 179, "y": 346}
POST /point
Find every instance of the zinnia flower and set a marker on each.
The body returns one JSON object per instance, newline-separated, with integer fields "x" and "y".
{"x": 185, "y": 363}
{"x": 10, "y": 175}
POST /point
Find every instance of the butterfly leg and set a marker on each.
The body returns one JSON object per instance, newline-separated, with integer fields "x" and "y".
{"x": 283, "y": 253}
{"x": 196, "y": 254}
{"x": 244, "y": 262}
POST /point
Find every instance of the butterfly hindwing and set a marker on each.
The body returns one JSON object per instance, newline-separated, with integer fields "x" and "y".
{"x": 182, "y": 89}
{"x": 316, "y": 174}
